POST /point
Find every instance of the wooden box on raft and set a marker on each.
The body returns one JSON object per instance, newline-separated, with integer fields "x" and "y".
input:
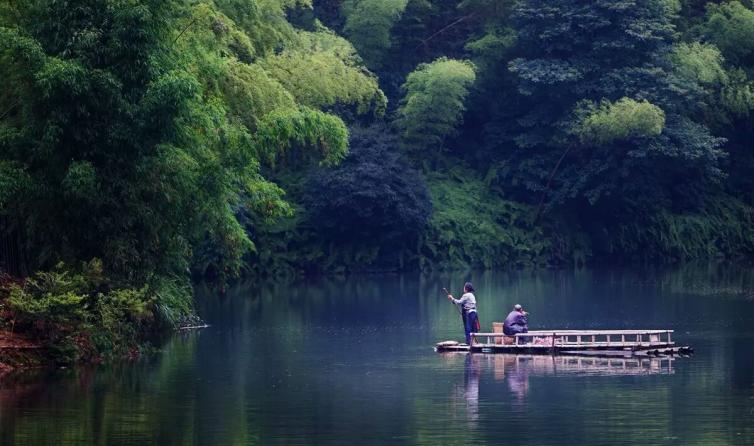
{"x": 497, "y": 327}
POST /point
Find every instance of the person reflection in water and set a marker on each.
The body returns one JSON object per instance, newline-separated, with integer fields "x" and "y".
{"x": 514, "y": 370}
{"x": 468, "y": 395}
{"x": 518, "y": 379}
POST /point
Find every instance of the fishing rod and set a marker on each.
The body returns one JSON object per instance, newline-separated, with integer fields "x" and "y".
{"x": 447, "y": 293}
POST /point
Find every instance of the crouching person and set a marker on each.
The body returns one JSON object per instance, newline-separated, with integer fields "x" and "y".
{"x": 516, "y": 322}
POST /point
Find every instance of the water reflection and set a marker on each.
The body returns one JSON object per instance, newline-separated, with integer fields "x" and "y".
{"x": 350, "y": 360}
{"x": 516, "y": 370}
{"x": 517, "y": 373}
{"x": 466, "y": 395}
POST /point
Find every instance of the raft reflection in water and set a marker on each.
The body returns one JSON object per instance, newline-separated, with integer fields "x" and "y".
{"x": 515, "y": 370}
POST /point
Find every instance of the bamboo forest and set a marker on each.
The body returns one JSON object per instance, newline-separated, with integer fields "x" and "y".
{"x": 252, "y": 221}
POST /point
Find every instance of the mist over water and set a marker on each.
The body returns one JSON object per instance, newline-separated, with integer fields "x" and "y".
{"x": 350, "y": 361}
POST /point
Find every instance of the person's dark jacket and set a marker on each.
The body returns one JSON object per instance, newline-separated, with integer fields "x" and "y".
{"x": 516, "y": 322}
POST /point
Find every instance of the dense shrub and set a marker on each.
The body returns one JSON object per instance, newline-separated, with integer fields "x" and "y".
{"x": 374, "y": 197}
{"x": 80, "y": 315}
{"x": 473, "y": 227}
{"x": 722, "y": 228}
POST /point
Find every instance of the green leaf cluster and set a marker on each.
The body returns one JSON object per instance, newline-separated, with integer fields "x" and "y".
{"x": 728, "y": 91}
{"x": 323, "y": 79}
{"x": 472, "y": 227}
{"x": 283, "y": 130}
{"x": 368, "y": 24}
{"x": 729, "y": 25}
{"x": 159, "y": 135}
{"x": 80, "y": 314}
{"x": 722, "y": 227}
{"x": 613, "y": 121}
{"x": 433, "y": 103}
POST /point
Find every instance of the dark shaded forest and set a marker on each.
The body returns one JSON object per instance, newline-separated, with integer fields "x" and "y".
{"x": 562, "y": 133}
{"x": 144, "y": 143}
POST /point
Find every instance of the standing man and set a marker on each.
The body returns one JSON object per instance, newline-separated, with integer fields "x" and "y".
{"x": 516, "y": 322}
{"x": 468, "y": 308}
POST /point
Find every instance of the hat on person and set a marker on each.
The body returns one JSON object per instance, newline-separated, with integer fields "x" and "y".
{"x": 517, "y": 307}
{"x": 469, "y": 286}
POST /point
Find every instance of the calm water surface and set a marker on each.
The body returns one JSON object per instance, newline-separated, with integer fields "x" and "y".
{"x": 350, "y": 361}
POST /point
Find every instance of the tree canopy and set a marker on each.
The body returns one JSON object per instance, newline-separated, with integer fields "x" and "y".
{"x": 433, "y": 103}
{"x": 368, "y": 25}
{"x": 160, "y": 139}
{"x": 136, "y": 132}
{"x": 374, "y": 195}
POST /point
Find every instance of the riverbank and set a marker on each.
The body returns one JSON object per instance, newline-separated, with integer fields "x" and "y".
{"x": 45, "y": 331}
{"x": 80, "y": 315}
{"x": 17, "y": 352}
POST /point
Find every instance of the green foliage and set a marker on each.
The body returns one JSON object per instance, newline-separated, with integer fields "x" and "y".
{"x": 473, "y": 227}
{"x": 699, "y": 61}
{"x": 366, "y": 214}
{"x": 721, "y": 229}
{"x": 81, "y": 180}
{"x": 553, "y": 138}
{"x": 368, "y": 25}
{"x": 730, "y": 26}
{"x": 433, "y": 104}
{"x": 137, "y": 132}
{"x": 729, "y": 93}
{"x": 50, "y": 297}
{"x": 597, "y": 113}
{"x": 323, "y": 79}
{"x": 250, "y": 93}
{"x": 80, "y": 314}
{"x": 158, "y": 137}
{"x": 373, "y": 198}
{"x": 263, "y": 21}
{"x": 283, "y": 130}
{"x": 611, "y": 121}
{"x": 119, "y": 317}
{"x": 13, "y": 182}
{"x": 492, "y": 47}
{"x": 737, "y": 95}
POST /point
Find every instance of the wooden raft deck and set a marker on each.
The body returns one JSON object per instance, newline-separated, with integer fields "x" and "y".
{"x": 573, "y": 342}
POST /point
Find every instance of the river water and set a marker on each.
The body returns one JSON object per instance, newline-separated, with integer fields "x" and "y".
{"x": 350, "y": 361}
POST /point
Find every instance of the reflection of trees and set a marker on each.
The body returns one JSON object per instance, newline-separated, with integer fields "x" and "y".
{"x": 306, "y": 362}
{"x": 127, "y": 404}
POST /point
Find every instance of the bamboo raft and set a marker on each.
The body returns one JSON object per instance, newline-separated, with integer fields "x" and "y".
{"x": 573, "y": 342}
